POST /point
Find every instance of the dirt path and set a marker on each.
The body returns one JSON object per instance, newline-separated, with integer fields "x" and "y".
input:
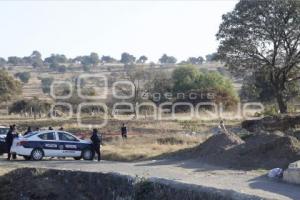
{"x": 249, "y": 182}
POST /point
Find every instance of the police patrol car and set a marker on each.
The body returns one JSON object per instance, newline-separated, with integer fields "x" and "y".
{"x": 39, "y": 144}
{"x": 3, "y": 132}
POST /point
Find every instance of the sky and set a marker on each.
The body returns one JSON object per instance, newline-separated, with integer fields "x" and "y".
{"x": 152, "y": 28}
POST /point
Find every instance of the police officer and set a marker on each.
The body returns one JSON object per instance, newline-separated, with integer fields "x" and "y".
{"x": 9, "y": 140}
{"x": 96, "y": 143}
{"x": 124, "y": 131}
{"x": 28, "y": 130}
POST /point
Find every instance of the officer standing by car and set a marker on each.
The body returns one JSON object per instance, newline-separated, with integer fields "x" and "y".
{"x": 124, "y": 131}
{"x": 96, "y": 143}
{"x": 28, "y": 131}
{"x": 9, "y": 140}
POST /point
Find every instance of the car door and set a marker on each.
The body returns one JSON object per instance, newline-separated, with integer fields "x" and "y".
{"x": 68, "y": 145}
{"x": 49, "y": 143}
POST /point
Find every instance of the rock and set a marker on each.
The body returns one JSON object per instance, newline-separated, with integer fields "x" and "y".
{"x": 292, "y": 174}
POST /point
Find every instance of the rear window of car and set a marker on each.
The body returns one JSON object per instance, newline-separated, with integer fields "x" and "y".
{"x": 47, "y": 136}
{"x": 30, "y": 134}
{"x": 66, "y": 137}
{"x": 3, "y": 131}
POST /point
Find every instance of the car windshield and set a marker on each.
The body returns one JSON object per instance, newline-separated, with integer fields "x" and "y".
{"x": 3, "y": 131}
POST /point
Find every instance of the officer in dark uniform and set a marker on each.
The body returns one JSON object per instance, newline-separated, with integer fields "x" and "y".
{"x": 96, "y": 143}
{"x": 124, "y": 131}
{"x": 9, "y": 140}
{"x": 28, "y": 131}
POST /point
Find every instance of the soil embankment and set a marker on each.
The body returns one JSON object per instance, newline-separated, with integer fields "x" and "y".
{"x": 33, "y": 184}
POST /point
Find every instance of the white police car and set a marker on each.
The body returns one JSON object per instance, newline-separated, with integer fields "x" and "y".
{"x": 3, "y": 132}
{"x": 51, "y": 143}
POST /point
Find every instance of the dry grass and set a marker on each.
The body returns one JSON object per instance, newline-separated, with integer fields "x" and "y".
{"x": 146, "y": 146}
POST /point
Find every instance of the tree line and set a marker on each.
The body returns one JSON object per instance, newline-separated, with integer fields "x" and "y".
{"x": 58, "y": 61}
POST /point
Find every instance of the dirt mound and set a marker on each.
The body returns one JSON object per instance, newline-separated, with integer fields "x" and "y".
{"x": 268, "y": 151}
{"x": 218, "y": 144}
{"x": 261, "y": 150}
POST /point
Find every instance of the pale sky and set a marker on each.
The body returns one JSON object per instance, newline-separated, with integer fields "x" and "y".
{"x": 178, "y": 28}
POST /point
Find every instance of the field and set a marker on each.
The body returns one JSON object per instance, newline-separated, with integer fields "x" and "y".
{"x": 147, "y": 146}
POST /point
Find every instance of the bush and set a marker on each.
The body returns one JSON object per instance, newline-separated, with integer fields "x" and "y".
{"x": 34, "y": 105}
{"x": 9, "y": 87}
{"x": 188, "y": 79}
{"x": 23, "y": 76}
{"x": 46, "y": 84}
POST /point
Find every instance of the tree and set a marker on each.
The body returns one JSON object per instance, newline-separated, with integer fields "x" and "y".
{"x": 15, "y": 61}
{"x": 33, "y": 106}
{"x": 185, "y": 78}
{"x": 211, "y": 57}
{"x": 86, "y": 67}
{"x": 165, "y": 59}
{"x": 46, "y": 84}
{"x": 23, "y": 76}
{"x": 160, "y": 83}
{"x": 108, "y": 59}
{"x": 9, "y": 87}
{"x": 263, "y": 37}
{"x": 127, "y": 58}
{"x": 54, "y": 66}
{"x": 94, "y": 58}
{"x": 2, "y": 62}
{"x": 36, "y": 59}
{"x": 188, "y": 79}
{"x": 195, "y": 61}
{"x": 142, "y": 59}
{"x": 136, "y": 76}
{"x": 56, "y": 58}
{"x": 62, "y": 68}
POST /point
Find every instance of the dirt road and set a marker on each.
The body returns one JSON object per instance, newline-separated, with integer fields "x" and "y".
{"x": 249, "y": 182}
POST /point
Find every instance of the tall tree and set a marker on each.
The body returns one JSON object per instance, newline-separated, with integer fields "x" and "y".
{"x": 94, "y": 58}
{"x": 127, "y": 58}
{"x": 165, "y": 59}
{"x": 142, "y": 59}
{"x": 36, "y": 59}
{"x": 263, "y": 36}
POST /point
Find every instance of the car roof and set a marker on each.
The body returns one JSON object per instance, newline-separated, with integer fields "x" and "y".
{"x": 3, "y": 127}
{"x": 47, "y": 131}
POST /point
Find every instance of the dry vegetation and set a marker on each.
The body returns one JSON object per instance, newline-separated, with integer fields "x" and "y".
{"x": 147, "y": 146}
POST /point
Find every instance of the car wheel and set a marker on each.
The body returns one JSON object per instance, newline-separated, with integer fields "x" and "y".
{"x": 77, "y": 158}
{"x": 87, "y": 154}
{"x": 37, "y": 154}
{"x": 26, "y": 157}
